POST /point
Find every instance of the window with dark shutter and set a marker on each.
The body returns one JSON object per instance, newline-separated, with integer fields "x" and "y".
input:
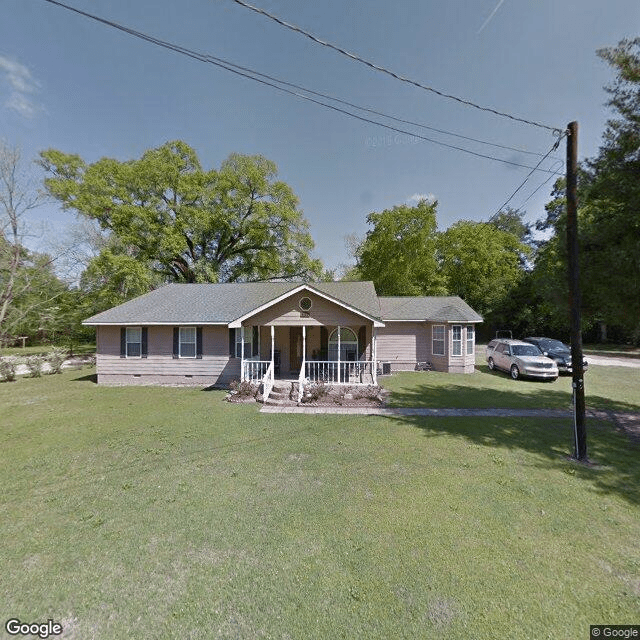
{"x": 123, "y": 342}
{"x": 255, "y": 348}
{"x": 176, "y": 342}
{"x": 232, "y": 343}
{"x": 362, "y": 341}
{"x": 324, "y": 343}
{"x": 144, "y": 351}
{"x": 199, "y": 342}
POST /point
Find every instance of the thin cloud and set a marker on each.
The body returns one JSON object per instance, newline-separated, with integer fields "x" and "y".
{"x": 22, "y": 85}
{"x": 488, "y": 20}
{"x": 419, "y": 197}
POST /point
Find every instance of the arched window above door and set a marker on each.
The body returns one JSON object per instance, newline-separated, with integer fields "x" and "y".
{"x": 348, "y": 345}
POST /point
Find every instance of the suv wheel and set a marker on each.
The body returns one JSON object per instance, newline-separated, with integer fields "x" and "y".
{"x": 491, "y": 363}
{"x": 515, "y": 372}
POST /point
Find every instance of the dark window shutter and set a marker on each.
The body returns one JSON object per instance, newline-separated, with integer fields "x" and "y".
{"x": 176, "y": 342}
{"x": 324, "y": 343}
{"x": 362, "y": 340}
{"x": 232, "y": 343}
{"x": 123, "y": 342}
{"x": 144, "y": 347}
{"x": 199, "y": 342}
{"x": 255, "y": 350}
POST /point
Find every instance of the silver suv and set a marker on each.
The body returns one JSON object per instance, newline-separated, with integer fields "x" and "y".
{"x": 520, "y": 359}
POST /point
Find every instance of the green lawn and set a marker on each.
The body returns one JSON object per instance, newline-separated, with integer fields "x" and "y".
{"x": 615, "y": 388}
{"x": 168, "y": 513}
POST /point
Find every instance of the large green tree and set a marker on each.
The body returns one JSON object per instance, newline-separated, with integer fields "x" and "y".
{"x": 170, "y": 218}
{"x": 399, "y": 253}
{"x": 481, "y": 263}
{"x": 608, "y": 213}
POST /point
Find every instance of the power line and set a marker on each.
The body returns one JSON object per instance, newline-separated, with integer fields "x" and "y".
{"x": 397, "y": 76}
{"x": 533, "y": 193}
{"x": 213, "y": 59}
{"x": 536, "y": 168}
{"x": 230, "y": 67}
{"x": 373, "y": 111}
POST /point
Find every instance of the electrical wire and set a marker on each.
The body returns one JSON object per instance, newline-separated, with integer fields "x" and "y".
{"x": 247, "y": 74}
{"x": 373, "y": 111}
{"x": 553, "y": 148}
{"x": 397, "y": 76}
{"x": 533, "y": 193}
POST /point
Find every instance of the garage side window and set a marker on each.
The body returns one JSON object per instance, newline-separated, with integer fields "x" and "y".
{"x": 437, "y": 334}
{"x": 456, "y": 340}
{"x": 471, "y": 339}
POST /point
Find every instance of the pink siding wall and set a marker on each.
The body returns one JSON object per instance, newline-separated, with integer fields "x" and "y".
{"x": 403, "y": 344}
{"x": 215, "y": 366}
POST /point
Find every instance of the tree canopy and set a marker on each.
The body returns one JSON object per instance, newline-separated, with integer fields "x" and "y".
{"x": 170, "y": 218}
{"x": 608, "y": 219}
{"x": 480, "y": 263}
{"x": 399, "y": 253}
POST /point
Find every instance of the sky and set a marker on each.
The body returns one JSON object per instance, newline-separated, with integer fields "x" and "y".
{"x": 69, "y": 83}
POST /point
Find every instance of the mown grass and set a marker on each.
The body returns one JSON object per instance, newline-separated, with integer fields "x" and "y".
{"x": 614, "y": 388}
{"x": 168, "y": 513}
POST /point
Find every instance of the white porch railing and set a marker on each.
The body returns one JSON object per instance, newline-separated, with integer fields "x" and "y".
{"x": 253, "y": 371}
{"x": 334, "y": 372}
{"x": 267, "y": 382}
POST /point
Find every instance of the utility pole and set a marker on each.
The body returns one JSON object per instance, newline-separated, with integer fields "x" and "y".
{"x": 579, "y": 421}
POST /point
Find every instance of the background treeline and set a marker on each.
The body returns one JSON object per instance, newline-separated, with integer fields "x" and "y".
{"x": 164, "y": 218}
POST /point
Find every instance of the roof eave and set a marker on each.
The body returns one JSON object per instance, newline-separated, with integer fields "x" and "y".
{"x": 237, "y": 323}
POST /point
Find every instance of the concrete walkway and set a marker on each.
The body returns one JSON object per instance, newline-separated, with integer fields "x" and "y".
{"x": 435, "y": 413}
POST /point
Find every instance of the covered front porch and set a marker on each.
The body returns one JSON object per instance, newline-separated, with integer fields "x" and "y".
{"x": 335, "y": 355}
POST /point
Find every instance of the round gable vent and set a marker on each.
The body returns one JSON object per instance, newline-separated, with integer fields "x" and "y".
{"x": 305, "y": 304}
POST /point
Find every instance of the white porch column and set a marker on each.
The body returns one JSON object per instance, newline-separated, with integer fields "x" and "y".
{"x": 338, "y": 354}
{"x": 242, "y": 376}
{"x": 272, "y": 347}
{"x": 304, "y": 346}
{"x": 374, "y": 354}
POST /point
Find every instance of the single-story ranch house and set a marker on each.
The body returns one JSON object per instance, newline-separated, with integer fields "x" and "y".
{"x": 337, "y": 332}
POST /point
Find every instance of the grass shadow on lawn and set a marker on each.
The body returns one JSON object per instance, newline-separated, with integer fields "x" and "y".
{"x": 613, "y": 452}
{"x": 486, "y": 389}
{"x": 90, "y": 377}
{"x": 613, "y": 468}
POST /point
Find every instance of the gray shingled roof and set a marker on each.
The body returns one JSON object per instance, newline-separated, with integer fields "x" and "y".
{"x": 433, "y": 308}
{"x": 224, "y": 303}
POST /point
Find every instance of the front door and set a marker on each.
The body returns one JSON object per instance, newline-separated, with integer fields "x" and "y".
{"x": 295, "y": 348}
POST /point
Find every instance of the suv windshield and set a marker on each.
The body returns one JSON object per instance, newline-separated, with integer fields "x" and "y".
{"x": 553, "y": 345}
{"x": 525, "y": 350}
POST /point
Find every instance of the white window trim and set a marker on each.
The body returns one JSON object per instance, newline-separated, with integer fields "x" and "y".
{"x": 128, "y": 342}
{"x": 194, "y": 342}
{"x": 471, "y": 329}
{"x": 443, "y": 340}
{"x": 248, "y": 341}
{"x": 454, "y": 341}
